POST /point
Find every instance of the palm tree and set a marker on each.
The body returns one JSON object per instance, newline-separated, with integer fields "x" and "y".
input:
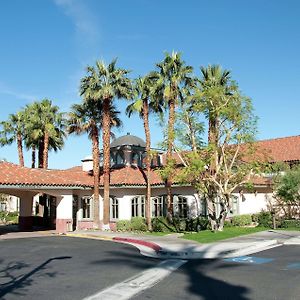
{"x": 87, "y": 118}
{"x": 45, "y": 129}
{"x": 105, "y": 83}
{"x": 174, "y": 76}
{"x": 144, "y": 102}
{"x": 13, "y": 130}
{"x": 213, "y": 86}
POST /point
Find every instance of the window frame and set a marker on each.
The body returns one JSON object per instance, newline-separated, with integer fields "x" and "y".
{"x": 90, "y": 206}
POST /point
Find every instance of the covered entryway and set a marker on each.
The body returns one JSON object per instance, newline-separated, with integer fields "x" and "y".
{"x": 47, "y": 197}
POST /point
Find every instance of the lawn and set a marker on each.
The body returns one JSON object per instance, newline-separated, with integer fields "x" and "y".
{"x": 208, "y": 236}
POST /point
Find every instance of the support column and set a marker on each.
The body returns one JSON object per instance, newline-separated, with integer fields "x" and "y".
{"x": 64, "y": 213}
{"x": 25, "y": 217}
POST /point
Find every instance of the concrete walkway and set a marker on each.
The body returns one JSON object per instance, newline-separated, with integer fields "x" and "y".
{"x": 172, "y": 246}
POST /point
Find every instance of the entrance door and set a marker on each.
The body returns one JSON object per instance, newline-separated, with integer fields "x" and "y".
{"x": 74, "y": 210}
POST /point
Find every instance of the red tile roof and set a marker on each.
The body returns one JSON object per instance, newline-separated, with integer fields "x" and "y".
{"x": 12, "y": 174}
{"x": 281, "y": 149}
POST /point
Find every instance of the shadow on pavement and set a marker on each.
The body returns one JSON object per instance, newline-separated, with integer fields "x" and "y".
{"x": 15, "y": 282}
{"x": 193, "y": 278}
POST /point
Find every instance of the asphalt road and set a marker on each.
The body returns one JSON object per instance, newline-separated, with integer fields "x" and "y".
{"x": 74, "y": 268}
{"x": 272, "y": 274}
{"x": 64, "y": 267}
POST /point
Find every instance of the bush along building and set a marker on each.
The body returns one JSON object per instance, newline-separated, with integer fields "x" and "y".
{"x": 63, "y": 199}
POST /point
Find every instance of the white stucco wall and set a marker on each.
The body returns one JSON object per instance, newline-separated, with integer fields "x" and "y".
{"x": 64, "y": 207}
{"x": 254, "y": 202}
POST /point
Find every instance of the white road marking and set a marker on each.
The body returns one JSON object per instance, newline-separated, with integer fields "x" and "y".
{"x": 140, "y": 282}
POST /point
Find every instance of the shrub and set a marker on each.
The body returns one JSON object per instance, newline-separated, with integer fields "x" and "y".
{"x": 196, "y": 224}
{"x": 228, "y": 223}
{"x": 9, "y": 217}
{"x": 138, "y": 224}
{"x": 290, "y": 223}
{"x": 124, "y": 225}
{"x": 241, "y": 220}
{"x": 161, "y": 224}
{"x": 265, "y": 219}
{"x": 254, "y": 218}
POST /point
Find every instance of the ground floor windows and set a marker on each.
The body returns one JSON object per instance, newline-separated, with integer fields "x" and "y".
{"x": 179, "y": 203}
{"x": 86, "y": 206}
{"x": 180, "y": 208}
{"x": 159, "y": 206}
{"x": 138, "y": 206}
{"x": 114, "y": 208}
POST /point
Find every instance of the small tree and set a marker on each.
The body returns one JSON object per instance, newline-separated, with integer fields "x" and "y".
{"x": 287, "y": 192}
{"x": 228, "y": 160}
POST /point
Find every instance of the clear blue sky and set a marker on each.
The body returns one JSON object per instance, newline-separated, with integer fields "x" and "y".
{"x": 46, "y": 45}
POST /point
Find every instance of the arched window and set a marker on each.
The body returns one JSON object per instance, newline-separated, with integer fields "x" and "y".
{"x": 120, "y": 158}
{"x": 135, "y": 158}
{"x": 114, "y": 208}
{"x": 138, "y": 206}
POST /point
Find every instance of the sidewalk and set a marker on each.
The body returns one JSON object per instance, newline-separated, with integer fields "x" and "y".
{"x": 172, "y": 246}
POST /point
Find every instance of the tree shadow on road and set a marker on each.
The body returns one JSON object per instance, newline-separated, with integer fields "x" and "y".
{"x": 17, "y": 284}
{"x": 208, "y": 287}
{"x": 192, "y": 277}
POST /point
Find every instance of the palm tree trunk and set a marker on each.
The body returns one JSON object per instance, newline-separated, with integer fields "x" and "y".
{"x": 41, "y": 152}
{"x": 148, "y": 163}
{"x": 96, "y": 172}
{"x": 20, "y": 150}
{"x": 45, "y": 152}
{"x": 106, "y": 162}
{"x": 171, "y": 122}
{"x": 33, "y": 154}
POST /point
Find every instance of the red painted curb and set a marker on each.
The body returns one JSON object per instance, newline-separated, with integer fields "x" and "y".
{"x": 151, "y": 245}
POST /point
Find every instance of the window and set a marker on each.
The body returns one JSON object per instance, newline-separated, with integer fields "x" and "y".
{"x": 114, "y": 208}
{"x": 112, "y": 159}
{"x": 86, "y": 205}
{"x": 138, "y": 206}
{"x": 135, "y": 158}
{"x": 159, "y": 208}
{"x": 120, "y": 158}
{"x": 179, "y": 203}
{"x": 180, "y": 206}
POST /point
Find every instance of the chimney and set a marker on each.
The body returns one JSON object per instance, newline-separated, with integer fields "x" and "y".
{"x": 87, "y": 164}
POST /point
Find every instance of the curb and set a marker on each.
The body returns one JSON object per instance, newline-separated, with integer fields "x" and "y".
{"x": 293, "y": 241}
{"x": 151, "y": 245}
{"x": 90, "y": 236}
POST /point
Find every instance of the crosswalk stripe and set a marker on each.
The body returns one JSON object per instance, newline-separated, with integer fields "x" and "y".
{"x": 140, "y": 282}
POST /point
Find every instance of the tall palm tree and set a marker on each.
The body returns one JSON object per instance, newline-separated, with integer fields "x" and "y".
{"x": 13, "y": 130}
{"x": 105, "y": 83}
{"x": 45, "y": 129}
{"x": 215, "y": 87}
{"x": 174, "y": 76}
{"x": 87, "y": 118}
{"x": 214, "y": 84}
{"x": 145, "y": 102}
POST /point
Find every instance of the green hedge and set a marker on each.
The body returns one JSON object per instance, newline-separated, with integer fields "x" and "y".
{"x": 138, "y": 224}
{"x": 124, "y": 225}
{"x": 264, "y": 219}
{"x": 11, "y": 217}
{"x": 241, "y": 220}
{"x": 290, "y": 223}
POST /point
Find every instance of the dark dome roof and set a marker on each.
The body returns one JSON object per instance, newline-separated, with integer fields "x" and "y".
{"x": 128, "y": 140}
